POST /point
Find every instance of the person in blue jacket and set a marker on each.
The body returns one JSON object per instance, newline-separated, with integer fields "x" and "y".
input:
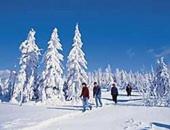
{"x": 97, "y": 94}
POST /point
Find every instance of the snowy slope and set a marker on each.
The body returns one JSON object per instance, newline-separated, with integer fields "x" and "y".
{"x": 16, "y": 117}
{"x": 129, "y": 114}
{"x": 115, "y": 118}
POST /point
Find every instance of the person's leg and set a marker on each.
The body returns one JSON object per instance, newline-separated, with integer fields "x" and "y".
{"x": 96, "y": 100}
{"x": 115, "y": 99}
{"x": 84, "y": 104}
{"x": 89, "y": 105}
{"x": 128, "y": 93}
{"x": 66, "y": 97}
{"x": 100, "y": 101}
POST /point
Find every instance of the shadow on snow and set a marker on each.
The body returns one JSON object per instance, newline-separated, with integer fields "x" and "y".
{"x": 67, "y": 108}
{"x": 122, "y": 100}
{"x": 167, "y": 126}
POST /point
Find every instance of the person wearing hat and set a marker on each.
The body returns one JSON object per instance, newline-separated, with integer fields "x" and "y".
{"x": 114, "y": 93}
{"x": 97, "y": 94}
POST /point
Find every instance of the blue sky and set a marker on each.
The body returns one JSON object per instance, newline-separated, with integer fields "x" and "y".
{"x": 126, "y": 34}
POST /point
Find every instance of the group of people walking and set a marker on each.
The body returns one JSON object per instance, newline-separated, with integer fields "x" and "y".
{"x": 97, "y": 94}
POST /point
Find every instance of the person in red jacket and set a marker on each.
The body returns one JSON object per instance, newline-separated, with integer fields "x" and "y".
{"x": 85, "y": 96}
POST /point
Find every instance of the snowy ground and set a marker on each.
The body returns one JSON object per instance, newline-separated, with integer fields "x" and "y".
{"x": 129, "y": 114}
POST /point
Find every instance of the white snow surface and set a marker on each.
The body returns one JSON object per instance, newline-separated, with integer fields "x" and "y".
{"x": 128, "y": 114}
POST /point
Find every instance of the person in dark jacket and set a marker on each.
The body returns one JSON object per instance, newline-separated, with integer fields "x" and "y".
{"x": 129, "y": 90}
{"x": 114, "y": 93}
{"x": 97, "y": 94}
{"x": 65, "y": 90}
{"x": 85, "y": 96}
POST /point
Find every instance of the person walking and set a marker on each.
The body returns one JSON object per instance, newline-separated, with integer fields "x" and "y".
{"x": 85, "y": 97}
{"x": 114, "y": 93}
{"x": 129, "y": 90}
{"x": 65, "y": 90}
{"x": 97, "y": 94}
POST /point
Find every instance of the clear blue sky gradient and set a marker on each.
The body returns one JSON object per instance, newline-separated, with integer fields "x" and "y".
{"x": 128, "y": 34}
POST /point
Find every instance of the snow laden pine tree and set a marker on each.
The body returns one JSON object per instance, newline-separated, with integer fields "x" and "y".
{"x": 11, "y": 83}
{"x": 19, "y": 86}
{"x": 99, "y": 76}
{"x": 25, "y": 85}
{"x": 53, "y": 73}
{"x": 162, "y": 83}
{"x": 121, "y": 78}
{"x": 76, "y": 66}
{"x": 109, "y": 76}
{"x": 143, "y": 82}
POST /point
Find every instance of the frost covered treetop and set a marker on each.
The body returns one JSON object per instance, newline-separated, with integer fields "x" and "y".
{"x": 31, "y": 34}
{"x": 77, "y": 38}
{"x": 55, "y": 40}
{"x": 29, "y": 45}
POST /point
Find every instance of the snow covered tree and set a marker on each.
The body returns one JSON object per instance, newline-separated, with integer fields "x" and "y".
{"x": 143, "y": 83}
{"x": 52, "y": 76}
{"x": 151, "y": 81}
{"x": 4, "y": 92}
{"x": 108, "y": 77}
{"x": 121, "y": 78}
{"x": 76, "y": 66}
{"x": 6, "y": 85}
{"x": 11, "y": 83}
{"x": 109, "y": 74}
{"x": 26, "y": 79}
{"x": 162, "y": 83}
{"x": 90, "y": 78}
{"x": 99, "y": 76}
{"x": 18, "y": 94}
